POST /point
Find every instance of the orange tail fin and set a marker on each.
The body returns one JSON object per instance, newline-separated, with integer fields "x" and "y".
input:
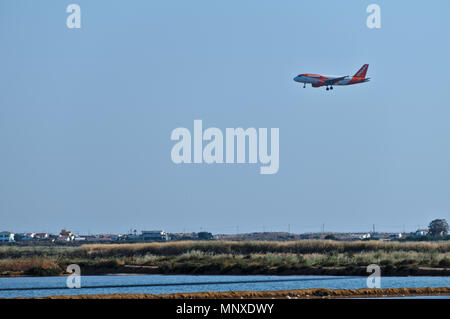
{"x": 362, "y": 72}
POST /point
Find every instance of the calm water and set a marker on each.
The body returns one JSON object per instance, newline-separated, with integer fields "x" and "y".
{"x": 298, "y": 282}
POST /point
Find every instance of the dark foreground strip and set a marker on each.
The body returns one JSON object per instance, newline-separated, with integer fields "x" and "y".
{"x": 200, "y": 283}
{"x": 224, "y": 309}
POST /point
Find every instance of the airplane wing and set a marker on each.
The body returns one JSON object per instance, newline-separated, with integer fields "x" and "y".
{"x": 332, "y": 81}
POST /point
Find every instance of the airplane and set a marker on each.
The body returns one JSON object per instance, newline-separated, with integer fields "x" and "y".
{"x": 318, "y": 80}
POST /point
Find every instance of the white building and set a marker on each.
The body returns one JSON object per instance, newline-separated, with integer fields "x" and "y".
{"x": 6, "y": 236}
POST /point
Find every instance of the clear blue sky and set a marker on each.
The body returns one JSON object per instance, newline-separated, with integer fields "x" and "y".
{"x": 86, "y": 115}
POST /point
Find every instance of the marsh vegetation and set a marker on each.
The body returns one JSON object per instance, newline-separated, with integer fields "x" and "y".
{"x": 324, "y": 257}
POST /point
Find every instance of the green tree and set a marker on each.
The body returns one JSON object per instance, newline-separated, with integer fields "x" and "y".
{"x": 438, "y": 227}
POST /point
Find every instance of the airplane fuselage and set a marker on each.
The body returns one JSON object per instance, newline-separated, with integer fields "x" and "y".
{"x": 319, "y": 80}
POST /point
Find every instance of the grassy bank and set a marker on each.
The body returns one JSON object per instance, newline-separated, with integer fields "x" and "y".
{"x": 306, "y": 257}
{"x": 291, "y": 294}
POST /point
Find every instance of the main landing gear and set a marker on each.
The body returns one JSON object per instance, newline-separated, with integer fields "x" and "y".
{"x": 329, "y": 88}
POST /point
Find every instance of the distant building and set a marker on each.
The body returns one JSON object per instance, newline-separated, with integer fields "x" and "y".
{"x": 24, "y": 236}
{"x": 65, "y": 235}
{"x": 65, "y": 238}
{"x": 154, "y": 235}
{"x": 27, "y": 237}
{"x": 421, "y": 232}
{"x": 41, "y": 235}
{"x": 6, "y": 237}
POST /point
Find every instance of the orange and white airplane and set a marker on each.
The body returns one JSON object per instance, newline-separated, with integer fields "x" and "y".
{"x": 318, "y": 80}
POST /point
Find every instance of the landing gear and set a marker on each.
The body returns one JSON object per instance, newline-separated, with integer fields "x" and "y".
{"x": 331, "y": 87}
{"x": 327, "y": 88}
{"x": 304, "y": 85}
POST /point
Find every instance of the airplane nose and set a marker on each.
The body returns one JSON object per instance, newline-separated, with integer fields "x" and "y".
{"x": 296, "y": 79}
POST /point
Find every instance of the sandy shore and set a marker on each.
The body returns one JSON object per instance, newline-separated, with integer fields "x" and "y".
{"x": 300, "y": 293}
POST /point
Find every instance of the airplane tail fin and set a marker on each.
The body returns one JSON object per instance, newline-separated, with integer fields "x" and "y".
{"x": 362, "y": 72}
